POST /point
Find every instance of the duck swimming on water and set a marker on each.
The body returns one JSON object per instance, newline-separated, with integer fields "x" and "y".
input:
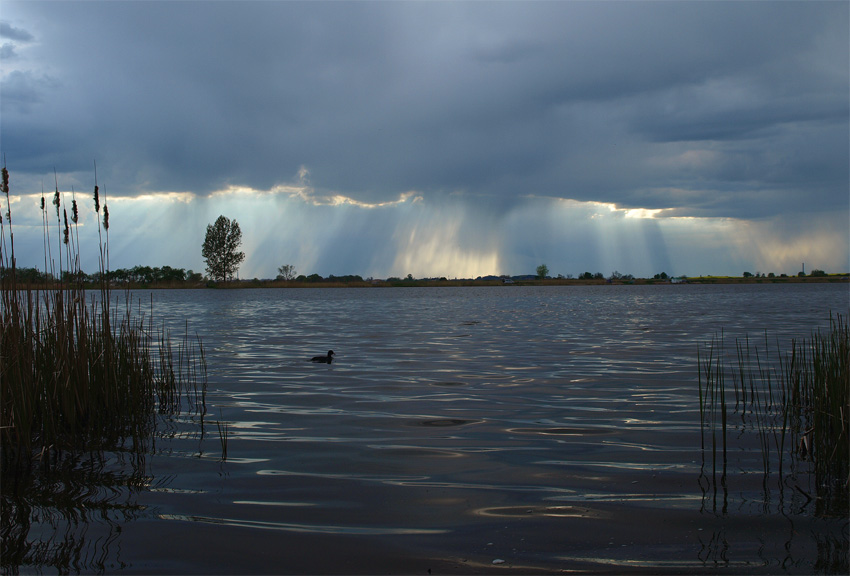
{"x": 325, "y": 359}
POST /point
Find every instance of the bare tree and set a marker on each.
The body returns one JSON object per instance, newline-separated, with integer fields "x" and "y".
{"x": 286, "y": 272}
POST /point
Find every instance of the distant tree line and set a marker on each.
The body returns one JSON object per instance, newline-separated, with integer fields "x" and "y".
{"x": 333, "y": 279}
{"x": 154, "y": 275}
{"x": 169, "y": 276}
{"x": 814, "y": 274}
{"x": 145, "y": 275}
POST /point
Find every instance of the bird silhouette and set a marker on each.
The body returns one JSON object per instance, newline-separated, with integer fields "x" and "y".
{"x": 324, "y": 359}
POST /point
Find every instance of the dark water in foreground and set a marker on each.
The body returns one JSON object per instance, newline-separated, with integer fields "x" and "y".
{"x": 532, "y": 429}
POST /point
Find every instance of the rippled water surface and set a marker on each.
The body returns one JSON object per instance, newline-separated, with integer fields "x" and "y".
{"x": 462, "y": 430}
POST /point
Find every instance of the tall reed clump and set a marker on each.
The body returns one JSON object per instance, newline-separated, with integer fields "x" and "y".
{"x": 77, "y": 372}
{"x": 799, "y": 405}
{"x": 713, "y": 412}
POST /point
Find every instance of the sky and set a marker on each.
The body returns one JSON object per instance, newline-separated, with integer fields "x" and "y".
{"x": 455, "y": 139}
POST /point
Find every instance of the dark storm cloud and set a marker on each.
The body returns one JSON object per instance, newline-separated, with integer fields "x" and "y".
{"x": 10, "y": 32}
{"x": 734, "y": 109}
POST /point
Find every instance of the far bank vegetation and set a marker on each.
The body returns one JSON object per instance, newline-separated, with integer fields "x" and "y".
{"x": 169, "y": 277}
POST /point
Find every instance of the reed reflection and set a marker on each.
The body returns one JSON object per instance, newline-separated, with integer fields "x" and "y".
{"x": 69, "y": 517}
{"x": 781, "y": 447}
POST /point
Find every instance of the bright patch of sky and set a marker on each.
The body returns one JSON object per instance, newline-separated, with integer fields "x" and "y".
{"x": 437, "y": 139}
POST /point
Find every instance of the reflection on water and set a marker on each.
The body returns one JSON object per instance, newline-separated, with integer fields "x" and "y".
{"x": 69, "y": 518}
{"x": 549, "y": 428}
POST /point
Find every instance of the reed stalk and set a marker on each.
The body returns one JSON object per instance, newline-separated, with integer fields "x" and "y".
{"x": 222, "y": 436}
{"x": 75, "y": 373}
{"x": 798, "y": 403}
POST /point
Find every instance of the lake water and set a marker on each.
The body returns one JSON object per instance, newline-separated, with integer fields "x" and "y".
{"x": 459, "y": 430}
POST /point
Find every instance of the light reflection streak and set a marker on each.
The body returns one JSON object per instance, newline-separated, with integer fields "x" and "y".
{"x": 631, "y": 563}
{"x": 422, "y": 482}
{"x": 283, "y": 504}
{"x": 303, "y": 528}
{"x": 563, "y": 431}
{"x": 419, "y": 451}
{"x": 646, "y": 447}
{"x": 547, "y": 511}
{"x": 668, "y": 499}
{"x": 620, "y": 465}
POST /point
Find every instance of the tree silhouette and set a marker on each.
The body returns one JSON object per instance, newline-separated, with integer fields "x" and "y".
{"x": 542, "y": 271}
{"x": 286, "y": 272}
{"x": 220, "y": 248}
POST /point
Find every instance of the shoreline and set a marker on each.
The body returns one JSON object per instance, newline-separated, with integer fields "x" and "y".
{"x": 434, "y": 283}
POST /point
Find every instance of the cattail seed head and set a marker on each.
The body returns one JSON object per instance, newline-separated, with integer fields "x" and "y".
{"x": 105, "y": 217}
{"x": 96, "y": 200}
{"x": 5, "y": 188}
{"x": 75, "y": 215}
{"x": 42, "y": 203}
{"x": 65, "y": 213}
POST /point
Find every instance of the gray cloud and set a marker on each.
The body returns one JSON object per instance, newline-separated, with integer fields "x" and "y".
{"x": 7, "y": 51}
{"x": 703, "y": 109}
{"x": 17, "y": 34}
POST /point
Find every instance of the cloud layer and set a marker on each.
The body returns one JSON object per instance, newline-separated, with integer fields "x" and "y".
{"x": 484, "y": 112}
